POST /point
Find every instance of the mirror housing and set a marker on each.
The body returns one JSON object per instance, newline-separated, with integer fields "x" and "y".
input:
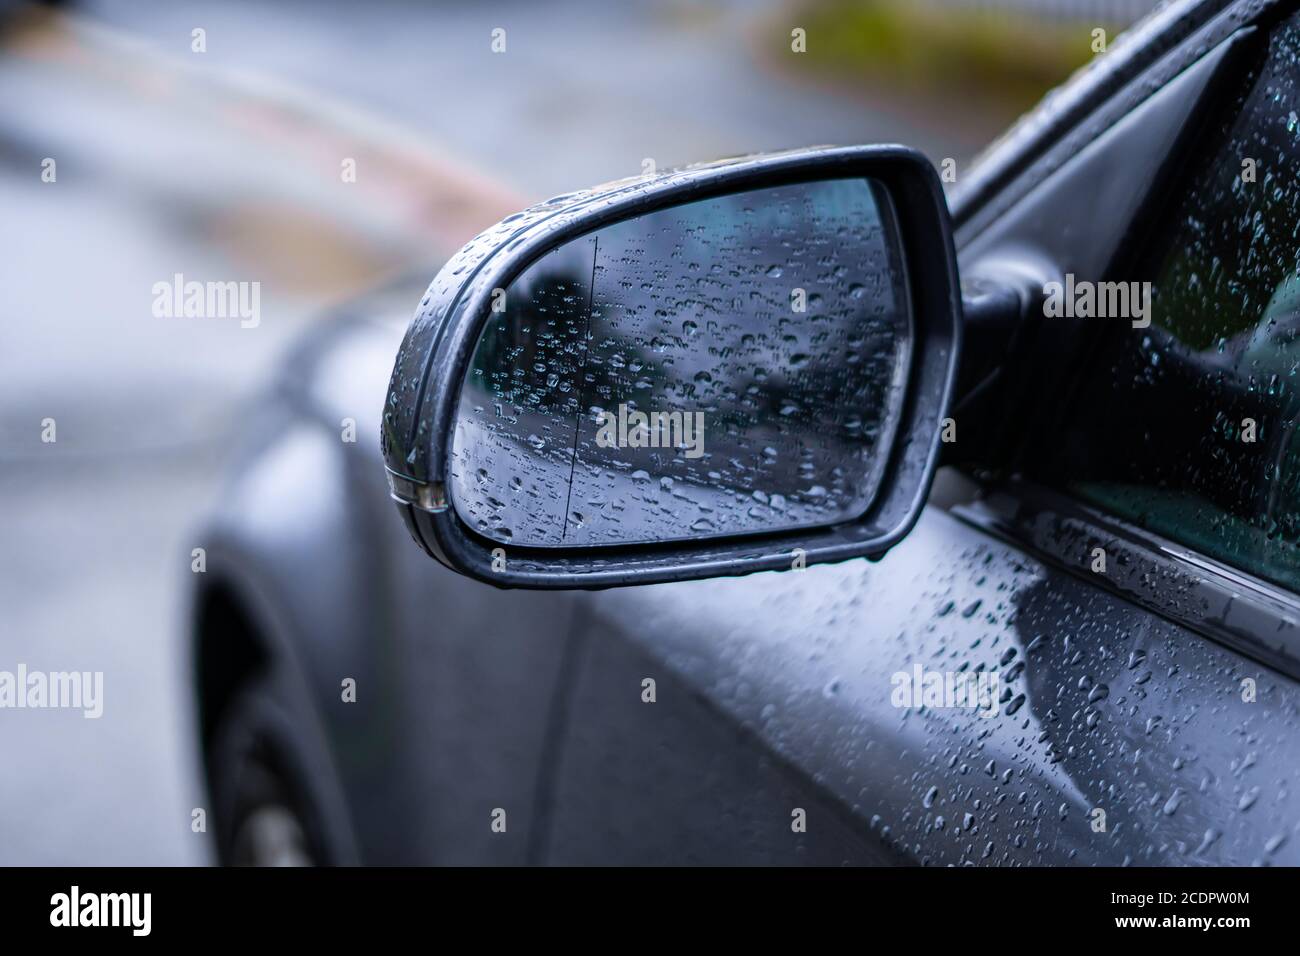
{"x": 424, "y": 421}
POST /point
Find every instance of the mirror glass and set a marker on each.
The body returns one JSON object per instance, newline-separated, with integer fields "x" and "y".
{"x": 729, "y": 366}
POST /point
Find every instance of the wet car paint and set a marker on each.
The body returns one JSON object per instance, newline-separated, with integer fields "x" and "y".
{"x": 1106, "y": 706}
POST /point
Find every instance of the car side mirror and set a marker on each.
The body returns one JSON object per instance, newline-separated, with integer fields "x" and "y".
{"x": 724, "y": 369}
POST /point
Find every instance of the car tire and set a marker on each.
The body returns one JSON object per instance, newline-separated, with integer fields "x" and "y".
{"x": 265, "y": 811}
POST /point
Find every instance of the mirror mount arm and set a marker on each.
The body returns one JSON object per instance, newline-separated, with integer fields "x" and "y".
{"x": 996, "y": 311}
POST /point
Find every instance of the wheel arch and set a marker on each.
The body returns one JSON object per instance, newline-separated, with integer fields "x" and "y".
{"x": 290, "y": 581}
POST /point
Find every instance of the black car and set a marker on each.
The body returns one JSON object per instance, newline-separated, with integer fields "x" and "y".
{"x": 1053, "y": 411}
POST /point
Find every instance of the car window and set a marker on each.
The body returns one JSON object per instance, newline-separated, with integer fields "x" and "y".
{"x": 1188, "y": 426}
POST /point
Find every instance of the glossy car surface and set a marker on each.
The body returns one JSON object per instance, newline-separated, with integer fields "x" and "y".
{"x": 495, "y": 726}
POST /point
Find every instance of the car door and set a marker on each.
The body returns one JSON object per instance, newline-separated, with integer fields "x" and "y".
{"x": 1128, "y": 579}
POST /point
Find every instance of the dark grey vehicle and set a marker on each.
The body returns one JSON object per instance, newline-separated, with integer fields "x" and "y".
{"x": 1078, "y": 503}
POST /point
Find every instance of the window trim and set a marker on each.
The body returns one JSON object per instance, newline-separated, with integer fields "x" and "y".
{"x": 1231, "y": 607}
{"x": 1144, "y": 58}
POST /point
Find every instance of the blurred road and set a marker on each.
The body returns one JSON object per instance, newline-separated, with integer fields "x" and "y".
{"x": 584, "y": 92}
{"x": 225, "y": 165}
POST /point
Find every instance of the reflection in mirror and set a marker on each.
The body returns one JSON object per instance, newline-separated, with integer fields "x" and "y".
{"x": 730, "y": 366}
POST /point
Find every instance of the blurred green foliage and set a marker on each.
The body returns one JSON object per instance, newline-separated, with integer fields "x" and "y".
{"x": 1008, "y": 58}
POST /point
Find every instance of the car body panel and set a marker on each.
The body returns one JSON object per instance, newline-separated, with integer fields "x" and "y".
{"x": 803, "y": 660}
